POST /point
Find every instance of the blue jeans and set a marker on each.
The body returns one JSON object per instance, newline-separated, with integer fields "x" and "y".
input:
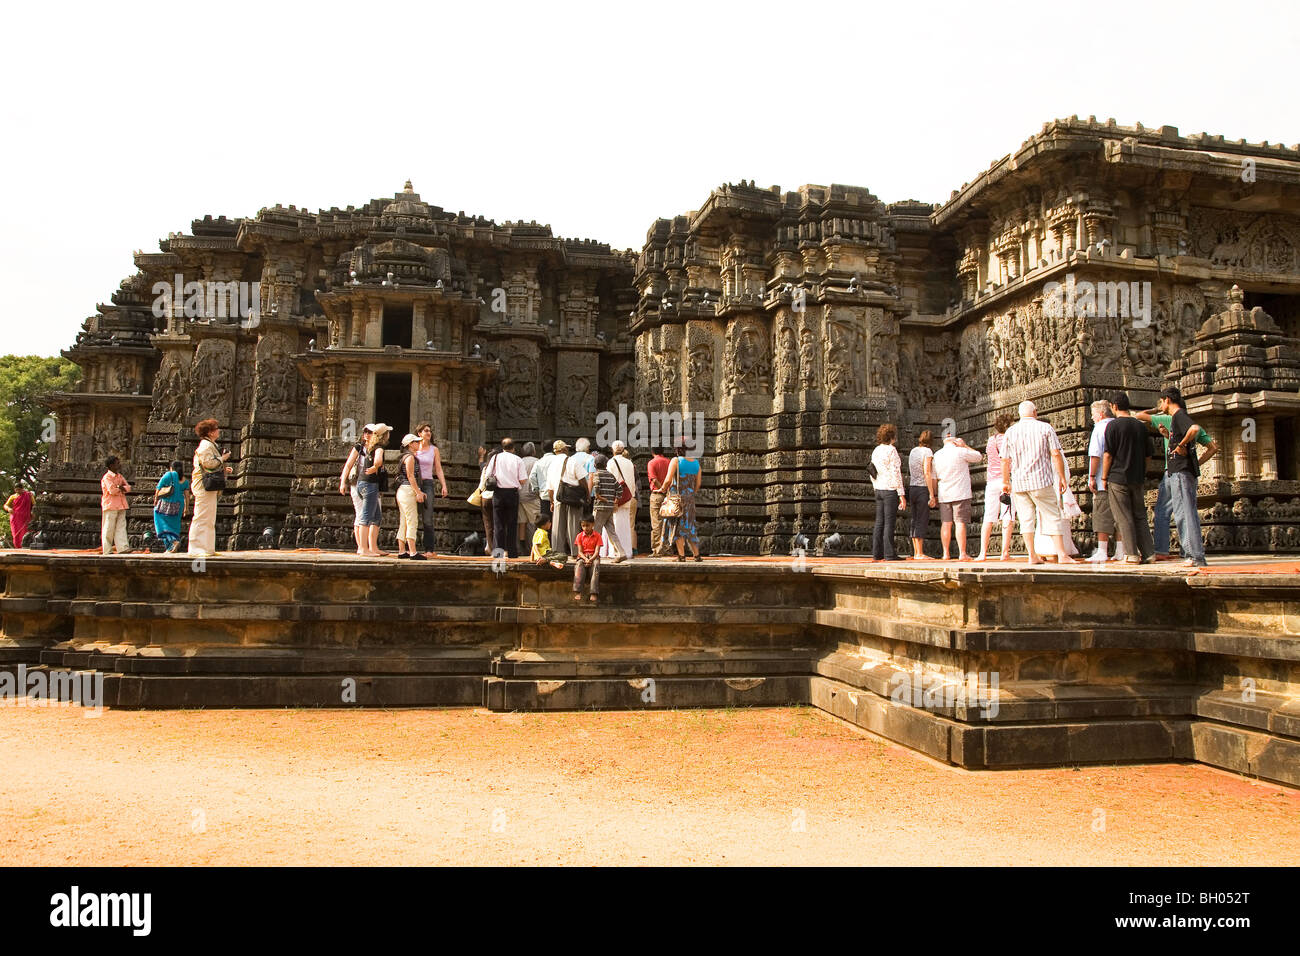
{"x": 882, "y": 535}
{"x": 1182, "y": 493}
{"x": 1164, "y": 512}
{"x": 369, "y": 492}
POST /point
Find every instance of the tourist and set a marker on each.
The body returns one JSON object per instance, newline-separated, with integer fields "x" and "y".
{"x": 508, "y": 471}
{"x": 656, "y": 471}
{"x": 551, "y": 492}
{"x": 429, "y": 459}
{"x": 1164, "y": 506}
{"x": 678, "y": 508}
{"x": 348, "y": 485}
{"x": 1030, "y": 453}
{"x": 921, "y": 491}
{"x": 208, "y": 472}
{"x": 586, "y": 563}
{"x": 1123, "y": 472}
{"x": 538, "y": 479}
{"x": 952, "y": 471}
{"x": 112, "y": 502}
{"x": 529, "y": 500}
{"x": 409, "y": 498}
{"x": 19, "y": 509}
{"x": 628, "y": 467}
{"x": 624, "y": 526}
{"x": 886, "y": 472}
{"x": 370, "y": 484}
{"x": 542, "y": 552}
{"x": 168, "y": 503}
{"x": 486, "y": 494}
{"x": 994, "y": 510}
{"x": 1182, "y": 471}
{"x": 574, "y": 492}
{"x": 1103, "y": 522}
{"x": 604, "y": 489}
{"x": 1063, "y": 528}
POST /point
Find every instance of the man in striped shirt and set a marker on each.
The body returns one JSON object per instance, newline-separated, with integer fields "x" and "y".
{"x": 1031, "y": 452}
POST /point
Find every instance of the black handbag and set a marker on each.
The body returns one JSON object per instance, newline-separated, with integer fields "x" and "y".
{"x": 574, "y": 495}
{"x": 215, "y": 480}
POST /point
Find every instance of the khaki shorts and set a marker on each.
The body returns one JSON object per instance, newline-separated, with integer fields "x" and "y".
{"x": 958, "y": 511}
{"x": 1103, "y": 521}
{"x": 1045, "y": 502}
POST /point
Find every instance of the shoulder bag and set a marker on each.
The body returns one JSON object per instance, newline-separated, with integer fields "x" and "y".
{"x": 215, "y": 479}
{"x": 574, "y": 495}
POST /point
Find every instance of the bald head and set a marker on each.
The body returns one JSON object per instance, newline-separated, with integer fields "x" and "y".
{"x": 1028, "y": 409}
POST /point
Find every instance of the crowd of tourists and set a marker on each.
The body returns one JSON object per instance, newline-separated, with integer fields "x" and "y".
{"x": 1028, "y": 481}
{"x": 576, "y": 504}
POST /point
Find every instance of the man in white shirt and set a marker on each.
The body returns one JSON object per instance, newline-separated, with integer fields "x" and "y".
{"x": 1103, "y": 520}
{"x": 952, "y": 469}
{"x": 573, "y": 471}
{"x": 529, "y": 506}
{"x": 551, "y": 493}
{"x": 1031, "y": 452}
{"x": 509, "y": 471}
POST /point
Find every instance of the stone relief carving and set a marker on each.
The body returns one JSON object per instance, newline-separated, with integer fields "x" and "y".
{"x": 785, "y": 360}
{"x": 1250, "y": 241}
{"x": 277, "y": 378}
{"x": 747, "y": 370}
{"x": 171, "y": 390}
{"x": 809, "y": 368}
{"x": 211, "y": 379}
{"x": 700, "y": 362}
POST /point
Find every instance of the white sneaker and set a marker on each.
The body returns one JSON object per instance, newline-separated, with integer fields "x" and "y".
{"x": 1098, "y": 556}
{"x": 1120, "y": 553}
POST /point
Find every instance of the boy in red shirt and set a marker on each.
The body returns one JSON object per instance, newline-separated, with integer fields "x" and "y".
{"x": 588, "y": 543}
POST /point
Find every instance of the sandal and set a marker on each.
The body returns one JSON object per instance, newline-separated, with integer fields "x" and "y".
{"x": 698, "y": 558}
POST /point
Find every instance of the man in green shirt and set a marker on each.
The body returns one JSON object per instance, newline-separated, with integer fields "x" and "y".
{"x": 1164, "y": 505}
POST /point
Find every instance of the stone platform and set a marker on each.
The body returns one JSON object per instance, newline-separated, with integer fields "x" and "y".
{"x": 1090, "y": 664}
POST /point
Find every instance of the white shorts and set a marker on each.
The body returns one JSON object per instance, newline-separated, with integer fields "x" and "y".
{"x": 995, "y": 510}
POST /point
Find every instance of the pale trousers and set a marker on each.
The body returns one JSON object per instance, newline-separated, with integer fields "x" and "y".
{"x": 608, "y": 533}
{"x": 112, "y": 532}
{"x": 203, "y": 526}
{"x": 1041, "y": 503}
{"x": 408, "y": 514}
{"x": 656, "y": 523}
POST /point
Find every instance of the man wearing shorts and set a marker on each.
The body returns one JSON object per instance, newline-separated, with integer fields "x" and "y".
{"x": 952, "y": 470}
{"x": 1031, "y": 452}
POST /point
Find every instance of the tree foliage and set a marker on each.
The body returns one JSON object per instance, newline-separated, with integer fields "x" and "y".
{"x": 27, "y": 427}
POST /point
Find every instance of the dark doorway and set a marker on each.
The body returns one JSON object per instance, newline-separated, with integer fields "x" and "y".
{"x": 397, "y": 326}
{"x": 1284, "y": 433}
{"x": 393, "y": 403}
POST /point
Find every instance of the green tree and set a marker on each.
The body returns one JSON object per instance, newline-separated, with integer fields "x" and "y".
{"x": 27, "y": 427}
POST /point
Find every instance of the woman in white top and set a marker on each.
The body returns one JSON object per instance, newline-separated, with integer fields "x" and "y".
{"x": 208, "y": 459}
{"x": 888, "y": 483}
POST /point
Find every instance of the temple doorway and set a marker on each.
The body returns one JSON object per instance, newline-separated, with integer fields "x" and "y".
{"x": 393, "y": 402}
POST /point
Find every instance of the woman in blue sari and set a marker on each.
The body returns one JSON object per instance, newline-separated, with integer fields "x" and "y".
{"x": 168, "y": 503}
{"x": 683, "y": 480}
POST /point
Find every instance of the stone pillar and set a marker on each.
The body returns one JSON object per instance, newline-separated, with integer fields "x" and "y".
{"x": 1266, "y": 434}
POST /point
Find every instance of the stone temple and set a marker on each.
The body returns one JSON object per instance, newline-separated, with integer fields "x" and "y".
{"x": 794, "y": 323}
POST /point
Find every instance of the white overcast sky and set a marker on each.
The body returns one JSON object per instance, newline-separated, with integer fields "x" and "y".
{"x": 124, "y": 121}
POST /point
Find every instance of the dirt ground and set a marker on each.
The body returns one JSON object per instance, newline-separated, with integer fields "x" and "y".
{"x": 467, "y": 786}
